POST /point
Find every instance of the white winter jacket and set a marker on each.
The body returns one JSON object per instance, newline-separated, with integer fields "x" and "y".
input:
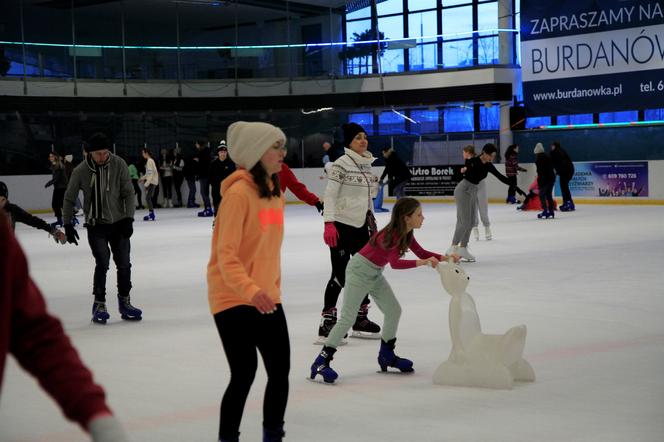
{"x": 349, "y": 189}
{"x": 151, "y": 174}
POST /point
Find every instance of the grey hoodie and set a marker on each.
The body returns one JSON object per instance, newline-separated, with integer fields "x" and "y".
{"x": 117, "y": 192}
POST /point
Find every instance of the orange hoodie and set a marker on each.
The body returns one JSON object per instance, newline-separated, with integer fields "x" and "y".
{"x": 246, "y": 245}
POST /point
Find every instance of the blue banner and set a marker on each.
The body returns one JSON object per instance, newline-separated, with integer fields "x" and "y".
{"x": 587, "y": 56}
{"x": 624, "y": 179}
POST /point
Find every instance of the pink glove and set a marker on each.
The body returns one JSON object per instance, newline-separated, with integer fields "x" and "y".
{"x": 330, "y": 234}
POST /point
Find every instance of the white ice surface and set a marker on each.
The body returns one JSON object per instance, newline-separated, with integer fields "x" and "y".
{"x": 589, "y": 286}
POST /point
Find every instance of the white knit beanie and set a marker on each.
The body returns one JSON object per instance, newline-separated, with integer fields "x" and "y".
{"x": 538, "y": 148}
{"x": 248, "y": 141}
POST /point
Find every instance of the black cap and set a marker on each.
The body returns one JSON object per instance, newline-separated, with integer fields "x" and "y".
{"x": 350, "y": 131}
{"x": 3, "y": 190}
{"x": 222, "y": 146}
{"x": 98, "y": 141}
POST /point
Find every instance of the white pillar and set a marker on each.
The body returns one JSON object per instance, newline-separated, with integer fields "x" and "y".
{"x": 505, "y": 138}
{"x": 506, "y": 56}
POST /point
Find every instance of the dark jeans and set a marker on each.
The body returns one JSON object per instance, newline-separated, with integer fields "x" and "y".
{"x": 149, "y": 196}
{"x": 204, "y": 182}
{"x": 351, "y": 240}
{"x": 155, "y": 196}
{"x": 105, "y": 239}
{"x": 191, "y": 199}
{"x": 177, "y": 180}
{"x": 57, "y": 200}
{"x": 216, "y": 201}
{"x": 137, "y": 191}
{"x": 511, "y": 191}
{"x": 564, "y": 187}
{"x": 167, "y": 183}
{"x": 400, "y": 189}
{"x": 546, "y": 196}
{"x": 242, "y": 330}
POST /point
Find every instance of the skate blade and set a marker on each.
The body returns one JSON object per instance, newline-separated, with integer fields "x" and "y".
{"x": 131, "y": 318}
{"x": 364, "y": 335}
{"x": 397, "y": 372}
{"x": 319, "y": 380}
{"x": 321, "y": 341}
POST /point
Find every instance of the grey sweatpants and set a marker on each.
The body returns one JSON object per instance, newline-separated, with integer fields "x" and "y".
{"x": 482, "y": 204}
{"x": 362, "y": 277}
{"x": 465, "y": 197}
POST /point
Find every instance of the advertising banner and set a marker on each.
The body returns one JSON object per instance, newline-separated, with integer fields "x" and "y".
{"x": 609, "y": 179}
{"x": 586, "y": 56}
{"x": 433, "y": 180}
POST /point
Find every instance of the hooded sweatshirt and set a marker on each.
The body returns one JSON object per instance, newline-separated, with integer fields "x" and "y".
{"x": 246, "y": 245}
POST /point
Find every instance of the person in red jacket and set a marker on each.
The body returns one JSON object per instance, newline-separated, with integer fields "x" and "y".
{"x": 288, "y": 180}
{"x": 38, "y": 342}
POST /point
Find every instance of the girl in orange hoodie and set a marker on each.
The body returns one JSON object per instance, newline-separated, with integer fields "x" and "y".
{"x": 244, "y": 277}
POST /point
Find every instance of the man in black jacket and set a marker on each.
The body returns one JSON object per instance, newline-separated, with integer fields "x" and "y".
{"x": 220, "y": 168}
{"x": 546, "y": 178}
{"x": 18, "y": 215}
{"x": 565, "y": 170}
{"x": 398, "y": 174}
{"x": 202, "y": 159}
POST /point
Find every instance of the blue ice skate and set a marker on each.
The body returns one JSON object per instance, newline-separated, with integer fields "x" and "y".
{"x": 387, "y": 358}
{"x": 99, "y": 313}
{"x": 322, "y": 367}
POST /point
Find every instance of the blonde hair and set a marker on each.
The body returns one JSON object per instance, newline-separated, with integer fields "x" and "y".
{"x": 469, "y": 149}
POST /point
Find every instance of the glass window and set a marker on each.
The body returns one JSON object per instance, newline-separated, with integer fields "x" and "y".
{"x": 535, "y": 122}
{"x": 418, "y": 5}
{"x": 391, "y": 123}
{"x": 458, "y": 119}
{"x": 487, "y": 16}
{"x": 618, "y": 117}
{"x": 458, "y": 20}
{"x": 458, "y": 53}
{"x": 487, "y": 50}
{"x": 363, "y": 119}
{"x": 490, "y": 117}
{"x": 423, "y": 57}
{"x": 389, "y": 7}
{"x": 359, "y": 56}
{"x": 423, "y": 24}
{"x": 575, "y": 119}
{"x": 653, "y": 114}
{"x": 392, "y": 28}
{"x": 455, "y": 2}
{"x": 427, "y": 121}
{"x": 360, "y": 13}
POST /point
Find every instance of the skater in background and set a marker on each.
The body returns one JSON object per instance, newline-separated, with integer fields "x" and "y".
{"x": 465, "y": 198}
{"x": 546, "y": 178}
{"x": 482, "y": 199}
{"x": 178, "y": 175}
{"x": 108, "y": 198}
{"x": 166, "y": 169}
{"x": 244, "y": 277}
{"x": 39, "y": 343}
{"x": 189, "y": 173}
{"x": 202, "y": 160}
{"x": 59, "y": 183}
{"x": 348, "y": 219}
{"x": 512, "y": 168}
{"x": 150, "y": 182}
{"x": 564, "y": 168}
{"x": 220, "y": 168}
{"x": 18, "y": 215}
{"x": 396, "y": 171}
{"x": 133, "y": 174}
{"x": 364, "y": 274}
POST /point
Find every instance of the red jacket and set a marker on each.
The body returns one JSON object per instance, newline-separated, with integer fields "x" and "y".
{"x": 37, "y": 339}
{"x": 287, "y": 179}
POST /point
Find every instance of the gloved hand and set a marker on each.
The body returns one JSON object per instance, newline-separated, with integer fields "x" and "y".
{"x": 319, "y": 206}
{"x": 126, "y": 227}
{"x": 106, "y": 428}
{"x": 71, "y": 233}
{"x": 520, "y": 192}
{"x": 330, "y": 234}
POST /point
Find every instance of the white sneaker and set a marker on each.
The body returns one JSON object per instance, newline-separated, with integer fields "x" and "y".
{"x": 476, "y": 233}
{"x": 465, "y": 254}
{"x": 487, "y": 233}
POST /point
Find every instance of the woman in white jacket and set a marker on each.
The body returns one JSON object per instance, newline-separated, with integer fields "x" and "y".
{"x": 150, "y": 182}
{"x": 348, "y": 217}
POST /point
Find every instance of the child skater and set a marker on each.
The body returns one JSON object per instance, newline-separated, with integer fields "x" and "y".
{"x": 364, "y": 274}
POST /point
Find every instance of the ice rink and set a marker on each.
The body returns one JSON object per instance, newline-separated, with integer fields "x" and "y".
{"x": 589, "y": 286}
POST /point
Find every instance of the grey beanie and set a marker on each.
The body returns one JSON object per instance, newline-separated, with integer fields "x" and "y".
{"x": 538, "y": 148}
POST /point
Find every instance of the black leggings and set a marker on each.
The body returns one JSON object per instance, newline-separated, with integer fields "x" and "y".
{"x": 244, "y": 329}
{"x": 57, "y": 201}
{"x": 351, "y": 240}
{"x": 564, "y": 186}
{"x": 511, "y": 191}
{"x": 546, "y": 197}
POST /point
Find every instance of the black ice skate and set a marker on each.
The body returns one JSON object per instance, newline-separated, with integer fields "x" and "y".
{"x": 99, "y": 313}
{"x": 127, "y": 311}
{"x": 364, "y": 327}
{"x": 327, "y": 322}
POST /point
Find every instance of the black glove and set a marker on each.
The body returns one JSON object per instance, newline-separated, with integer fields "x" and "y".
{"x": 126, "y": 227}
{"x": 72, "y": 234}
{"x": 319, "y": 206}
{"x": 520, "y": 192}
